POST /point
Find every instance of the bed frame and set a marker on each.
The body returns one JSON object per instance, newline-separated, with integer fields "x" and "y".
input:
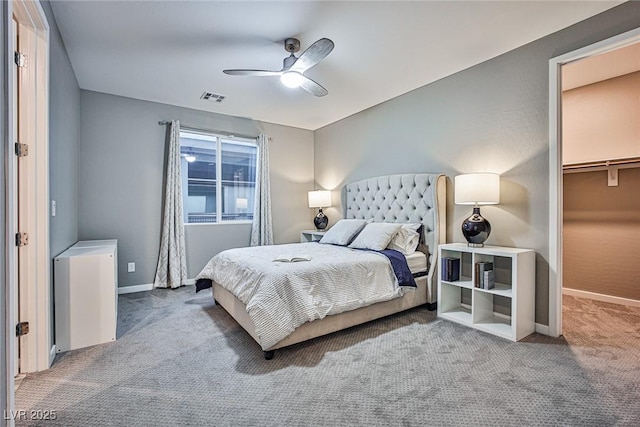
{"x": 406, "y": 198}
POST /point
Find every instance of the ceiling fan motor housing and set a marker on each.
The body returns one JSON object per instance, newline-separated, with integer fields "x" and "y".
{"x": 292, "y": 45}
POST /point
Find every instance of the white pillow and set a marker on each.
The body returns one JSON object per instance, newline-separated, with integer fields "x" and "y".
{"x": 376, "y": 236}
{"x": 343, "y": 231}
{"x": 406, "y": 239}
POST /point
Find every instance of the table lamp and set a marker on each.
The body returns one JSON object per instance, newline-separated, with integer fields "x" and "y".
{"x": 477, "y": 189}
{"x": 320, "y": 199}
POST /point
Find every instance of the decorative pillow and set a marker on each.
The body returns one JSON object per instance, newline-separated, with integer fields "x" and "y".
{"x": 406, "y": 239}
{"x": 343, "y": 232}
{"x": 376, "y": 236}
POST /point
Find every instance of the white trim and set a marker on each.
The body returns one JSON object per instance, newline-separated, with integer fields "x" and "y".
{"x": 601, "y": 297}
{"x": 31, "y": 15}
{"x": 555, "y": 166}
{"x": 52, "y": 354}
{"x": 135, "y": 288}
{"x": 147, "y": 287}
{"x": 200, "y": 224}
{"x": 542, "y": 329}
{"x": 9, "y": 279}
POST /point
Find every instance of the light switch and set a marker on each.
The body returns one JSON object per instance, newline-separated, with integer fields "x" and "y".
{"x": 131, "y": 267}
{"x": 53, "y": 208}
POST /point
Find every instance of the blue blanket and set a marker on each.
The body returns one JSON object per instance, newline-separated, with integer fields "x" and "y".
{"x": 400, "y": 267}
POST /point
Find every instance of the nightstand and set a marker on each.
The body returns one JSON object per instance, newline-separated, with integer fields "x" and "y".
{"x": 311, "y": 235}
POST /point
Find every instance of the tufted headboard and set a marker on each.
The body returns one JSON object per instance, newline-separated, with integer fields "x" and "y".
{"x": 416, "y": 198}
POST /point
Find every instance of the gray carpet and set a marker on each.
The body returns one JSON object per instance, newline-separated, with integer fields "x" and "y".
{"x": 179, "y": 360}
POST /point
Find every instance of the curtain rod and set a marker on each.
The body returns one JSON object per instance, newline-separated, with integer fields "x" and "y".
{"x": 219, "y": 132}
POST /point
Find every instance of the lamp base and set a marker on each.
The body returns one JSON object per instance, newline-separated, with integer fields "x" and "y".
{"x": 321, "y": 221}
{"x": 475, "y": 245}
{"x": 476, "y": 229}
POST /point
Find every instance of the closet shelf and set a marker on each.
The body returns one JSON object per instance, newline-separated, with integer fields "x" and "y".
{"x": 611, "y": 166}
{"x": 630, "y": 162}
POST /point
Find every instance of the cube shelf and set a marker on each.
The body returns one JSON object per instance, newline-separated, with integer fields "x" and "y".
{"x": 508, "y": 309}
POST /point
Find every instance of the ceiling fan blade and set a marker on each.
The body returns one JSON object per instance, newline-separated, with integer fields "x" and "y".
{"x": 258, "y": 73}
{"x": 314, "y": 54}
{"x": 313, "y": 87}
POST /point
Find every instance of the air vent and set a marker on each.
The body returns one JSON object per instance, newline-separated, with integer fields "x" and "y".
{"x": 213, "y": 97}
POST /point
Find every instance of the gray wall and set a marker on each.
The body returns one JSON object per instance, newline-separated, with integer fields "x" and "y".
{"x": 64, "y": 141}
{"x": 490, "y": 117}
{"x": 122, "y": 157}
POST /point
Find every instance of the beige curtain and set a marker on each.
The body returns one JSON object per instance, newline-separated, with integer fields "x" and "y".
{"x": 261, "y": 229}
{"x": 172, "y": 260}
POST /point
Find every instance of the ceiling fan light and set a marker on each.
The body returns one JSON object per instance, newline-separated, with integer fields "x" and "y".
{"x": 291, "y": 79}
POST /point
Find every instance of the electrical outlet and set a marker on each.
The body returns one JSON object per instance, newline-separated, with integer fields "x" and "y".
{"x": 131, "y": 267}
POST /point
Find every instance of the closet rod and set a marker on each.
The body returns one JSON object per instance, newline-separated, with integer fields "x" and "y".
{"x": 631, "y": 161}
{"x": 218, "y": 132}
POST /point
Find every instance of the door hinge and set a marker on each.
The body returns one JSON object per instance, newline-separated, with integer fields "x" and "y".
{"x": 20, "y": 59}
{"x": 22, "y": 239}
{"x": 22, "y": 328}
{"x": 22, "y": 150}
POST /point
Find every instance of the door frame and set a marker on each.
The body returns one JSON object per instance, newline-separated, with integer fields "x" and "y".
{"x": 555, "y": 165}
{"x": 38, "y": 302}
{"x": 6, "y": 360}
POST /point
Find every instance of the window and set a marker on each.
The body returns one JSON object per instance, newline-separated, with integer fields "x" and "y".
{"x": 218, "y": 177}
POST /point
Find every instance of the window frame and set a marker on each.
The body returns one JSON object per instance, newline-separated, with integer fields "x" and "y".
{"x": 219, "y": 137}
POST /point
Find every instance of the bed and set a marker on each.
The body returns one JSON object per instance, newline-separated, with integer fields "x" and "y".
{"x": 393, "y": 200}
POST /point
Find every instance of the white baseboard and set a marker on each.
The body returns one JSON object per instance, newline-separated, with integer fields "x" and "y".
{"x": 542, "y": 329}
{"x": 146, "y": 287}
{"x": 135, "y": 288}
{"x": 601, "y": 297}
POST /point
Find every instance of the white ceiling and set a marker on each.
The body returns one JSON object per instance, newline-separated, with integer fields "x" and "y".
{"x": 173, "y": 51}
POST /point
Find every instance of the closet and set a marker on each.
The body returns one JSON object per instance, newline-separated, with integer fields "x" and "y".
{"x": 601, "y": 180}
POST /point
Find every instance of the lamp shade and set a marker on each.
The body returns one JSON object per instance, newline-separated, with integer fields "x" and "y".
{"x": 319, "y": 199}
{"x": 477, "y": 189}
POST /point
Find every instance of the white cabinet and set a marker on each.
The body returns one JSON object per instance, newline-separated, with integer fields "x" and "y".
{"x": 507, "y": 310}
{"x": 86, "y": 294}
{"x": 310, "y": 235}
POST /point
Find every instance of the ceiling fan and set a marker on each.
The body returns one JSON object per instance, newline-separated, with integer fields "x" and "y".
{"x": 293, "y": 68}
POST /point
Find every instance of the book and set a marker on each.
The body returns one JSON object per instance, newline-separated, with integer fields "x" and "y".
{"x": 450, "y": 269}
{"x": 489, "y": 279}
{"x": 295, "y": 258}
{"x": 481, "y": 267}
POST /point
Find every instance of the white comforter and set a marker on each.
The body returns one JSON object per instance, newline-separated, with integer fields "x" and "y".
{"x": 280, "y": 296}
